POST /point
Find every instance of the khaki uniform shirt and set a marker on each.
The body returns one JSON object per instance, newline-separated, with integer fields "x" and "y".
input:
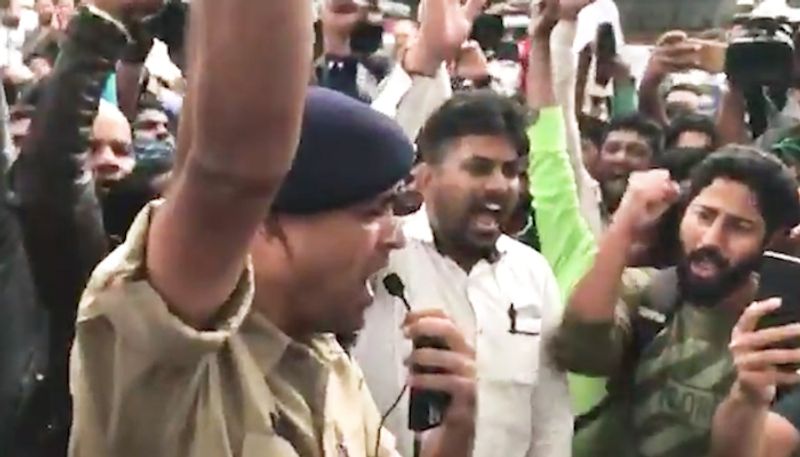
{"x": 146, "y": 384}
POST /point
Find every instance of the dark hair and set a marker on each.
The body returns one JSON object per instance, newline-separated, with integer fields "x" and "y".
{"x": 681, "y": 161}
{"x": 592, "y": 129}
{"x": 692, "y": 123}
{"x": 480, "y": 112}
{"x": 642, "y": 125}
{"x": 767, "y": 177}
{"x": 149, "y": 102}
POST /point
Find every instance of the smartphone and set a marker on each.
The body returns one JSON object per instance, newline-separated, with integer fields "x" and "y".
{"x": 711, "y": 55}
{"x": 606, "y": 42}
{"x": 780, "y": 278}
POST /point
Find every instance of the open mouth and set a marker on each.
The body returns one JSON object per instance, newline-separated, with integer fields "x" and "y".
{"x": 705, "y": 269}
{"x": 487, "y": 218}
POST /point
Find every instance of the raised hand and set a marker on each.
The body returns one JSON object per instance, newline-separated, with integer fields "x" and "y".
{"x": 649, "y": 195}
{"x": 757, "y": 366}
{"x": 444, "y": 26}
{"x": 673, "y": 53}
{"x": 545, "y": 14}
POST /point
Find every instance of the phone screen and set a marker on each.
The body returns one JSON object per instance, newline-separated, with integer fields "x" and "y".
{"x": 780, "y": 278}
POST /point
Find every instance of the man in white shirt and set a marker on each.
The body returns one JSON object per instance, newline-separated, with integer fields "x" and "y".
{"x": 501, "y": 294}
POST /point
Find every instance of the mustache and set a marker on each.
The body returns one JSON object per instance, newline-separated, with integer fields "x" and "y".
{"x": 709, "y": 254}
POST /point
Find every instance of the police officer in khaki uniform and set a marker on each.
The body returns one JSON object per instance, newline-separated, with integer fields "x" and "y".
{"x": 208, "y": 332}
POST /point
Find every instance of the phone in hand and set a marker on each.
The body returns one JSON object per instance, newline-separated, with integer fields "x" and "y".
{"x": 606, "y": 43}
{"x": 712, "y": 55}
{"x": 780, "y": 278}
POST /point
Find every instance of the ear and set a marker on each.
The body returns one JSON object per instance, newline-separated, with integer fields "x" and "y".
{"x": 272, "y": 228}
{"x": 423, "y": 174}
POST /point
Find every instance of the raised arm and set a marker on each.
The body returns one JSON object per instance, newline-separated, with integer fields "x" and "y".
{"x": 567, "y": 243}
{"x": 417, "y": 87}
{"x": 60, "y": 215}
{"x": 245, "y": 109}
{"x": 565, "y": 76}
{"x": 673, "y": 53}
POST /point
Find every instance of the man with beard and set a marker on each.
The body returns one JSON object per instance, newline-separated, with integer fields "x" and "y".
{"x": 502, "y": 294}
{"x": 665, "y": 346}
{"x": 632, "y": 143}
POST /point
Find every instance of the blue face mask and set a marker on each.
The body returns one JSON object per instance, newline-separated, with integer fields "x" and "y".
{"x": 154, "y": 154}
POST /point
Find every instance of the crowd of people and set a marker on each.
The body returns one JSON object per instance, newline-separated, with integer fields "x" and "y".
{"x": 346, "y": 231}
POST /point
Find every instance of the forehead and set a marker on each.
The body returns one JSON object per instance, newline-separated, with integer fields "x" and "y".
{"x": 682, "y": 96}
{"x": 694, "y": 139}
{"x": 626, "y": 136}
{"x": 731, "y": 198}
{"x": 151, "y": 115}
{"x": 111, "y": 127}
{"x": 492, "y": 147}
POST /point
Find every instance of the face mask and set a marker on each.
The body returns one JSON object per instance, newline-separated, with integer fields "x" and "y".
{"x": 154, "y": 154}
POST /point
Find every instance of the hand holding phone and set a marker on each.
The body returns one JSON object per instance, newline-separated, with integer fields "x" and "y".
{"x": 755, "y": 358}
{"x": 780, "y": 279}
{"x": 711, "y": 55}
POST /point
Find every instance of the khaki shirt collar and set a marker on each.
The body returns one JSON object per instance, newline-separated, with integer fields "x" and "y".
{"x": 269, "y": 344}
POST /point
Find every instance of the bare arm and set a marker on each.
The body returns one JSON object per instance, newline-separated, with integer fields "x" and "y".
{"x": 731, "y": 118}
{"x": 565, "y": 76}
{"x": 650, "y": 102}
{"x": 245, "y": 106}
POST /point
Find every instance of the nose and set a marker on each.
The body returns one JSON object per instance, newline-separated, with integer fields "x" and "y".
{"x": 104, "y": 159}
{"x": 392, "y": 234}
{"x": 161, "y": 132}
{"x": 713, "y": 235}
{"x": 498, "y": 182}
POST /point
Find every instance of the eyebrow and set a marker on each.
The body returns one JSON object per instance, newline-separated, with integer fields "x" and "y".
{"x": 487, "y": 159}
{"x": 735, "y": 217}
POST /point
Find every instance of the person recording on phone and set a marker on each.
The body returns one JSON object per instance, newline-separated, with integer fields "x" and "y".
{"x": 664, "y": 343}
{"x": 752, "y": 422}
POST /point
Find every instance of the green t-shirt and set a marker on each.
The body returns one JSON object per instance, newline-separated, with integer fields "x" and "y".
{"x": 665, "y": 406}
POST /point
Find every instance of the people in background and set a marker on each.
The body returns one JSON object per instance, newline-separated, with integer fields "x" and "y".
{"x": 631, "y": 144}
{"x": 692, "y": 131}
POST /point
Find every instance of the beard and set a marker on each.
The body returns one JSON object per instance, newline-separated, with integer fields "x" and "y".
{"x": 709, "y": 292}
{"x": 454, "y": 227}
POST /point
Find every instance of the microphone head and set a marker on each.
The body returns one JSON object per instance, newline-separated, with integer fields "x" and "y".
{"x": 394, "y": 285}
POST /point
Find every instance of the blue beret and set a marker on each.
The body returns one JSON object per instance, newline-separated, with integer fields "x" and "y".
{"x": 348, "y": 153}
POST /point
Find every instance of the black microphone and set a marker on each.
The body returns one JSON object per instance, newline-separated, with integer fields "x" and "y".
{"x": 426, "y": 407}
{"x": 394, "y": 285}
